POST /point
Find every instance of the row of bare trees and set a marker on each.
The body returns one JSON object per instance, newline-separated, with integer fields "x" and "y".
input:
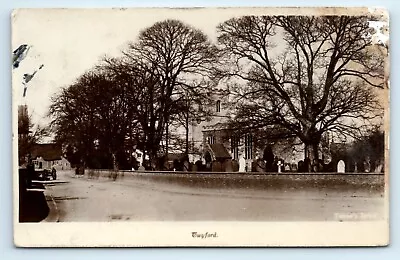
{"x": 161, "y": 79}
{"x": 292, "y": 76}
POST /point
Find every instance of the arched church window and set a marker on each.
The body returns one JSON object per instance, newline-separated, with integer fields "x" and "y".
{"x": 235, "y": 147}
{"x": 210, "y": 139}
{"x": 218, "y": 106}
{"x": 248, "y": 146}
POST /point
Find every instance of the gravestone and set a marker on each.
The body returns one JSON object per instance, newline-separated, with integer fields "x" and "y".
{"x": 355, "y": 167}
{"x": 199, "y": 166}
{"x": 242, "y": 164}
{"x": 166, "y": 165}
{"x": 287, "y": 167}
{"x": 194, "y": 168}
{"x": 186, "y": 166}
{"x": 253, "y": 166}
{"x": 315, "y": 166}
{"x": 260, "y": 166}
{"x": 279, "y": 164}
{"x": 379, "y": 168}
{"x": 367, "y": 166}
{"x": 341, "y": 167}
{"x": 208, "y": 166}
{"x": 235, "y": 166}
{"x": 141, "y": 168}
{"x": 228, "y": 166}
{"x": 178, "y": 166}
{"x": 300, "y": 167}
{"x": 307, "y": 165}
{"x": 216, "y": 166}
{"x": 294, "y": 167}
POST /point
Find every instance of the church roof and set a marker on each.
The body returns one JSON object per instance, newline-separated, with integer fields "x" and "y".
{"x": 220, "y": 151}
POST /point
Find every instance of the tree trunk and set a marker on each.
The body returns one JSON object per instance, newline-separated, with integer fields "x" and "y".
{"x": 115, "y": 162}
{"x": 143, "y": 156}
{"x": 310, "y": 155}
{"x": 187, "y": 135}
{"x": 166, "y": 139}
{"x": 115, "y": 166}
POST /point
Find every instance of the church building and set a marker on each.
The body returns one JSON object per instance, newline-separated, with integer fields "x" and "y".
{"x": 220, "y": 143}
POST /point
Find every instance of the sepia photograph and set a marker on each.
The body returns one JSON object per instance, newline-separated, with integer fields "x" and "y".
{"x": 200, "y": 127}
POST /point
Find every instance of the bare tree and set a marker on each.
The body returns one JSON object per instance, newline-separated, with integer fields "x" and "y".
{"x": 144, "y": 100}
{"x": 29, "y": 134}
{"x": 131, "y": 100}
{"x": 191, "y": 109}
{"x": 95, "y": 113}
{"x": 73, "y": 117}
{"x": 306, "y": 75}
{"x": 176, "y": 54}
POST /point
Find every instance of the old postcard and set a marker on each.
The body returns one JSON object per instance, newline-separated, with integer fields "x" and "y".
{"x": 200, "y": 127}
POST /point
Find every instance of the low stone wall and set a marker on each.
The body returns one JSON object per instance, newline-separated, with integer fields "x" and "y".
{"x": 282, "y": 181}
{"x": 367, "y": 181}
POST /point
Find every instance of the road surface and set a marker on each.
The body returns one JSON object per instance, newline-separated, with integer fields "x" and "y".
{"x": 135, "y": 198}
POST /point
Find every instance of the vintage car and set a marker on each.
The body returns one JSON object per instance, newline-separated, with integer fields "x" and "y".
{"x": 46, "y": 174}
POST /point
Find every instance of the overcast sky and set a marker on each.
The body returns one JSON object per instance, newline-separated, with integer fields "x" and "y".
{"x": 69, "y": 42}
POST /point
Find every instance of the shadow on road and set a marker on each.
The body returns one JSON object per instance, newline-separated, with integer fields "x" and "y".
{"x": 32, "y": 201}
{"x": 33, "y": 207}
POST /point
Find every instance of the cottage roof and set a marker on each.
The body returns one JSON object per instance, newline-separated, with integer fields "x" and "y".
{"x": 49, "y": 152}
